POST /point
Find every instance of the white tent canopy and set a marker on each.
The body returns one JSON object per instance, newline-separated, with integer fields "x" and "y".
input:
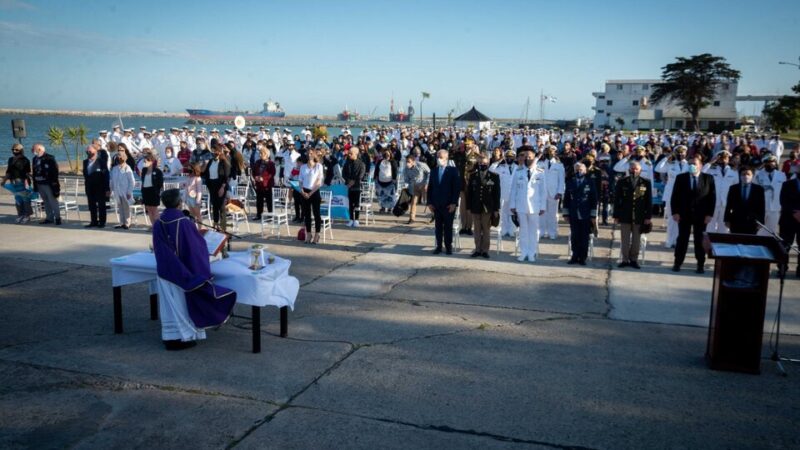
{"x": 473, "y": 119}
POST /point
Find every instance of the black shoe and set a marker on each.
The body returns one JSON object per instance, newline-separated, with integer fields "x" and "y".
{"x": 449, "y": 251}
{"x": 475, "y": 254}
{"x": 469, "y": 232}
{"x": 485, "y": 255}
{"x": 676, "y": 268}
{"x": 177, "y": 344}
{"x": 462, "y": 232}
{"x": 91, "y": 225}
{"x": 797, "y": 273}
{"x": 582, "y": 262}
{"x": 635, "y": 265}
{"x": 256, "y": 219}
{"x": 125, "y": 227}
{"x": 45, "y": 222}
{"x": 572, "y": 261}
{"x": 623, "y": 264}
{"x": 700, "y": 270}
{"x": 100, "y": 225}
{"x": 119, "y": 227}
{"x": 58, "y": 221}
{"x": 437, "y": 251}
{"x": 605, "y": 223}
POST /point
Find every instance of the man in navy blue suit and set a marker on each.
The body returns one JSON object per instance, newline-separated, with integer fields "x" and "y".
{"x": 444, "y": 188}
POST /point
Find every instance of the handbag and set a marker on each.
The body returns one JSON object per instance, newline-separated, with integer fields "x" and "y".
{"x": 301, "y": 234}
{"x": 495, "y": 221}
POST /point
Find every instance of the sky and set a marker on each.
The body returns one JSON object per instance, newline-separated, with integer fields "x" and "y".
{"x": 316, "y": 57}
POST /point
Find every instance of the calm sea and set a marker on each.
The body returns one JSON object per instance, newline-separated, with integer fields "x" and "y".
{"x": 37, "y": 127}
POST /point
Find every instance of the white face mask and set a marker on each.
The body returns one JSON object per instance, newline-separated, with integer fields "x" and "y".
{"x": 442, "y": 162}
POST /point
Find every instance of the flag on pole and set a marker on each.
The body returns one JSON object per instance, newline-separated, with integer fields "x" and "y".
{"x": 426, "y": 95}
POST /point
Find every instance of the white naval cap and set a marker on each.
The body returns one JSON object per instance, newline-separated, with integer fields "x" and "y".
{"x": 160, "y": 130}
{"x": 103, "y": 132}
{"x": 142, "y": 127}
{"x": 116, "y": 126}
{"x": 174, "y": 129}
{"x": 214, "y": 130}
{"x": 128, "y": 130}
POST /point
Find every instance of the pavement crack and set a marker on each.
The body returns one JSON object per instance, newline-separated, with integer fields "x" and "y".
{"x": 282, "y": 407}
{"x": 448, "y": 429}
{"x": 38, "y": 277}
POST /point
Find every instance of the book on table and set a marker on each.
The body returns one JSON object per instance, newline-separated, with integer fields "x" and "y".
{"x": 215, "y": 241}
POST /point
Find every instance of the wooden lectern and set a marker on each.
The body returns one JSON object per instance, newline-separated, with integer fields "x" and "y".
{"x": 739, "y": 299}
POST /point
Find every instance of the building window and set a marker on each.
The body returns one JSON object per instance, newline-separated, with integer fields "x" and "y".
{"x": 600, "y": 111}
{"x": 601, "y": 97}
{"x": 645, "y": 87}
{"x": 678, "y": 124}
{"x": 636, "y": 103}
{"x": 609, "y": 102}
{"x": 716, "y": 102}
{"x": 608, "y": 114}
{"x": 619, "y": 87}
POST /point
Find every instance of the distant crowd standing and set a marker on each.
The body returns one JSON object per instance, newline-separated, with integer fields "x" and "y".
{"x": 520, "y": 182}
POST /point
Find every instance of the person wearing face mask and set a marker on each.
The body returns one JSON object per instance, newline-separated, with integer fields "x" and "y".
{"x": 201, "y": 155}
{"x": 121, "y": 182}
{"x": 640, "y": 156}
{"x": 416, "y": 178}
{"x": 633, "y": 207}
{"x": 444, "y": 189}
{"x": 483, "y": 202}
{"x": 579, "y": 209}
{"x": 693, "y": 202}
{"x": 789, "y": 221}
{"x": 183, "y": 156}
{"x": 672, "y": 166}
{"x": 505, "y": 171}
{"x": 152, "y": 184}
{"x": 216, "y": 175}
{"x": 771, "y": 179}
{"x": 555, "y": 174}
{"x": 745, "y": 204}
{"x": 46, "y": 183}
{"x": 528, "y": 201}
{"x": 97, "y": 186}
{"x": 172, "y": 166}
{"x": 724, "y": 178}
{"x": 18, "y": 179}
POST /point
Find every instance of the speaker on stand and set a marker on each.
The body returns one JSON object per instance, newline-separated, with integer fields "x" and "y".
{"x": 18, "y": 129}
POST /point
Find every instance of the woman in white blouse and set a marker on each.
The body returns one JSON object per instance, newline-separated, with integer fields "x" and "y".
{"x": 311, "y": 177}
{"x": 122, "y": 188}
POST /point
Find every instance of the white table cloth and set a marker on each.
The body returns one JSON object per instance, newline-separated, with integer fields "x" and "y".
{"x": 270, "y": 286}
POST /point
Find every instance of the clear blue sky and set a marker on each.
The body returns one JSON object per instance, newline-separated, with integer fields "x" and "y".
{"x": 317, "y": 56}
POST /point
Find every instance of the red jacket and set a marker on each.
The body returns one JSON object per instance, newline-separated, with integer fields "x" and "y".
{"x": 263, "y": 173}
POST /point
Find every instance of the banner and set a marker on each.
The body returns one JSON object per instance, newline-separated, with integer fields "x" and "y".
{"x": 340, "y": 204}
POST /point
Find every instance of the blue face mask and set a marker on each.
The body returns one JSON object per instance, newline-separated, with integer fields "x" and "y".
{"x": 693, "y": 169}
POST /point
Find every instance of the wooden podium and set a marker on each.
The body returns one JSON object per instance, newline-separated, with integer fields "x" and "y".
{"x": 739, "y": 299}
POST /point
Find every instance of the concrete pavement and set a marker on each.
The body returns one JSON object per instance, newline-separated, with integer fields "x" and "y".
{"x": 388, "y": 347}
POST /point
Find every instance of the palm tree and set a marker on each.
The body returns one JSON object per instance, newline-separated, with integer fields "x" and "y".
{"x": 77, "y": 135}
{"x": 57, "y": 138}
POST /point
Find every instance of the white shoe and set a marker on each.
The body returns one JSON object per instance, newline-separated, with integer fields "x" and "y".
{"x": 18, "y": 220}
{"x": 553, "y": 237}
{"x": 356, "y": 224}
{"x": 25, "y": 220}
{"x": 350, "y": 223}
{"x": 531, "y": 259}
{"x": 521, "y": 258}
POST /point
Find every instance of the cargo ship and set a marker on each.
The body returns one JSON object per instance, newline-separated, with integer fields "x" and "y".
{"x": 400, "y": 116}
{"x": 272, "y": 111}
{"x": 347, "y": 115}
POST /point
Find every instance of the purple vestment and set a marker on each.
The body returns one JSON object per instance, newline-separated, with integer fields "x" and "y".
{"x": 182, "y": 259}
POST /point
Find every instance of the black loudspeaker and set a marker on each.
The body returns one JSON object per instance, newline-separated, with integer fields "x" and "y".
{"x": 18, "y": 128}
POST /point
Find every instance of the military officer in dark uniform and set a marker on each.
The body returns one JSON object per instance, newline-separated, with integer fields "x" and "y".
{"x": 579, "y": 209}
{"x": 633, "y": 207}
{"x": 483, "y": 202}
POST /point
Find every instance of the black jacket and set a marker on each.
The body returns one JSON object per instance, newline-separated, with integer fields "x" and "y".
{"x": 580, "y": 199}
{"x": 742, "y": 215}
{"x": 223, "y": 172}
{"x": 354, "y": 170}
{"x": 790, "y": 202}
{"x": 633, "y": 202}
{"x": 696, "y": 205}
{"x": 99, "y": 177}
{"x": 157, "y": 177}
{"x": 483, "y": 193}
{"x": 45, "y": 171}
{"x": 19, "y": 168}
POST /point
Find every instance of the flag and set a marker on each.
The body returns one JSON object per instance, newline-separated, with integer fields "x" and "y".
{"x": 426, "y": 95}
{"x": 553, "y": 99}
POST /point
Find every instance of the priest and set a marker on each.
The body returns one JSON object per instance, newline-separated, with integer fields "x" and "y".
{"x": 190, "y": 302}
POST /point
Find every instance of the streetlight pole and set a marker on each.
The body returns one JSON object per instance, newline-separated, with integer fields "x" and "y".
{"x": 790, "y": 64}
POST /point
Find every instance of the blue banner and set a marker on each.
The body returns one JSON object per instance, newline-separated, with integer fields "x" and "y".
{"x": 340, "y": 203}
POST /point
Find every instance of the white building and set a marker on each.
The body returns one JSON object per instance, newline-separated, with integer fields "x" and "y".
{"x": 625, "y": 104}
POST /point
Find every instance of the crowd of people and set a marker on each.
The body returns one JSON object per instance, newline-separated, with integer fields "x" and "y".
{"x": 521, "y": 181}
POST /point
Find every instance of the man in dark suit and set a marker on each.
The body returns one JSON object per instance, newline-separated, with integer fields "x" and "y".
{"x": 97, "y": 186}
{"x": 745, "y": 205}
{"x": 579, "y": 209}
{"x": 444, "y": 189}
{"x": 789, "y": 222}
{"x": 483, "y": 202}
{"x": 693, "y": 200}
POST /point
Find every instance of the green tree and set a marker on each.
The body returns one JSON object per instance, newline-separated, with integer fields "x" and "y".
{"x": 692, "y": 83}
{"x": 784, "y": 114}
{"x": 57, "y": 138}
{"x": 620, "y": 121}
{"x": 78, "y": 137}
